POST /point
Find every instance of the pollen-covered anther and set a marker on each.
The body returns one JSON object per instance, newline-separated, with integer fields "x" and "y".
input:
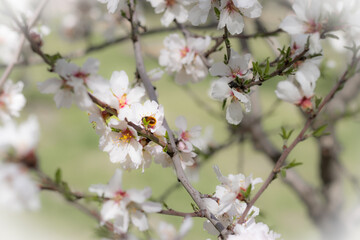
{"x": 184, "y": 51}
{"x": 119, "y": 195}
{"x": 122, "y": 101}
{"x": 126, "y": 136}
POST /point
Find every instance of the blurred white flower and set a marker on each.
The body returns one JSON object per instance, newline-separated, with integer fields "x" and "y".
{"x": 124, "y": 206}
{"x": 183, "y": 57}
{"x": 258, "y": 231}
{"x": 17, "y": 190}
{"x": 12, "y": 100}
{"x": 167, "y": 231}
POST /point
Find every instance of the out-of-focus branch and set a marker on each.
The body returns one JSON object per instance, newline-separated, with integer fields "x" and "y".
{"x": 31, "y": 23}
{"x": 301, "y": 136}
{"x": 252, "y": 125}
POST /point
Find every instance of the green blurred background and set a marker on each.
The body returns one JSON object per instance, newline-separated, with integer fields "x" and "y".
{"x": 69, "y": 142}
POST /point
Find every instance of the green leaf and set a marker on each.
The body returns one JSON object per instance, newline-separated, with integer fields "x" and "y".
{"x": 319, "y": 131}
{"x": 267, "y": 68}
{"x": 53, "y": 58}
{"x": 58, "y": 176}
{"x": 317, "y": 101}
{"x": 194, "y": 207}
{"x": 283, "y": 173}
{"x": 285, "y": 135}
{"x": 292, "y": 164}
{"x": 217, "y": 12}
{"x": 223, "y": 104}
{"x": 248, "y": 191}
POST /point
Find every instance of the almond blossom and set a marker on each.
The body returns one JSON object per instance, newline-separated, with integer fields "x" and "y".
{"x": 187, "y": 138}
{"x": 259, "y": 231}
{"x": 173, "y": 10}
{"x": 20, "y": 141}
{"x": 200, "y": 11}
{"x": 120, "y": 95}
{"x": 150, "y": 115}
{"x": 71, "y": 86}
{"x": 122, "y": 143}
{"x": 297, "y": 90}
{"x": 232, "y": 11}
{"x": 17, "y": 190}
{"x": 236, "y": 69}
{"x": 12, "y": 100}
{"x": 183, "y": 57}
{"x": 124, "y": 206}
{"x": 309, "y": 18}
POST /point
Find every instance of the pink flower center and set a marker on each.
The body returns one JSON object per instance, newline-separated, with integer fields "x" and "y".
{"x": 240, "y": 196}
{"x": 122, "y": 101}
{"x": 170, "y": 3}
{"x": 231, "y": 7}
{"x": 126, "y": 136}
{"x": 119, "y": 195}
{"x": 82, "y": 75}
{"x": 185, "y": 135}
{"x": 313, "y": 27}
{"x": 184, "y": 51}
{"x": 305, "y": 103}
{"x": 237, "y": 73}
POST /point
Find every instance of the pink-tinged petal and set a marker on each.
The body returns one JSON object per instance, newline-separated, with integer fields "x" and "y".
{"x": 220, "y": 89}
{"x": 151, "y": 207}
{"x": 307, "y": 84}
{"x": 63, "y": 98}
{"x": 292, "y": 25}
{"x": 135, "y": 95}
{"x": 91, "y": 66}
{"x": 287, "y": 91}
{"x": 220, "y": 69}
{"x": 180, "y": 12}
{"x": 243, "y": 98}
{"x": 300, "y": 8}
{"x": 234, "y": 113}
{"x": 244, "y": 3}
{"x": 238, "y": 61}
{"x": 51, "y": 85}
{"x": 167, "y": 18}
{"x": 139, "y": 220}
{"x": 139, "y": 196}
{"x": 110, "y": 210}
{"x": 181, "y": 123}
{"x": 121, "y": 223}
{"x": 115, "y": 183}
{"x": 252, "y": 12}
{"x": 64, "y": 68}
{"x": 119, "y": 83}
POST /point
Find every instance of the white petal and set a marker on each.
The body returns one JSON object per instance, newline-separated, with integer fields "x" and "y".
{"x": 234, "y": 113}
{"x": 139, "y": 220}
{"x": 51, "y": 85}
{"x": 119, "y": 83}
{"x": 220, "y": 89}
{"x": 151, "y": 207}
{"x": 181, "y": 123}
{"x": 288, "y": 92}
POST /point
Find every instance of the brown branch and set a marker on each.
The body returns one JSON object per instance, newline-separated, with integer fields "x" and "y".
{"x": 152, "y": 95}
{"x": 172, "y": 212}
{"x": 300, "y": 137}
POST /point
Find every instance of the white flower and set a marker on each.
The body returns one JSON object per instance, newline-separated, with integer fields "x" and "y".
{"x": 11, "y": 100}
{"x": 112, "y": 5}
{"x": 122, "y": 97}
{"x": 199, "y": 13}
{"x": 122, "y": 145}
{"x": 8, "y": 43}
{"x": 150, "y": 115}
{"x": 298, "y": 90}
{"x": 258, "y": 231}
{"x": 187, "y": 138}
{"x": 236, "y": 69}
{"x": 167, "y": 231}
{"x": 232, "y": 189}
{"x": 69, "y": 87}
{"x": 173, "y": 10}
{"x": 231, "y": 12}
{"x": 309, "y": 17}
{"x": 221, "y": 91}
{"x": 17, "y": 190}
{"x": 124, "y": 206}
{"x": 20, "y": 140}
{"x": 183, "y": 57}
